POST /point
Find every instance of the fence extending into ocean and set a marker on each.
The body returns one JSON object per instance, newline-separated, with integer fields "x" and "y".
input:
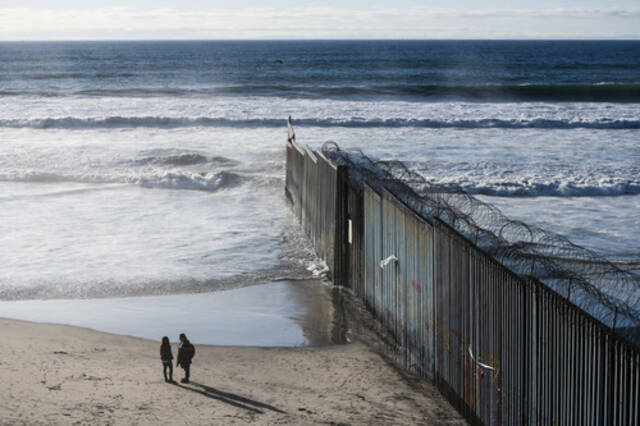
{"x": 502, "y": 347}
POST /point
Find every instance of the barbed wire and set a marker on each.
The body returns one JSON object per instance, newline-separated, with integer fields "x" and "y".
{"x": 605, "y": 289}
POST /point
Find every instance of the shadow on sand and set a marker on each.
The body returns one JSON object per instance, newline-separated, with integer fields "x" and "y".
{"x": 229, "y": 398}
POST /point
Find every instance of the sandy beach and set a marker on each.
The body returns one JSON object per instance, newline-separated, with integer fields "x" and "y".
{"x": 55, "y": 374}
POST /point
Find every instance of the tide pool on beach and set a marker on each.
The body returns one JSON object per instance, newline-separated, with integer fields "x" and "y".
{"x": 284, "y": 313}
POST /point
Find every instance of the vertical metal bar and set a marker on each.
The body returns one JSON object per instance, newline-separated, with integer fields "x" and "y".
{"x": 559, "y": 361}
{"x": 579, "y": 370}
{"x": 553, "y": 352}
{"x": 586, "y": 371}
{"x": 566, "y": 389}
{"x": 526, "y": 360}
{"x": 535, "y": 343}
{"x": 601, "y": 369}
{"x": 609, "y": 380}
{"x": 593, "y": 370}
{"x": 573, "y": 366}
{"x": 548, "y": 370}
{"x": 636, "y": 387}
{"x": 615, "y": 394}
{"x": 626, "y": 390}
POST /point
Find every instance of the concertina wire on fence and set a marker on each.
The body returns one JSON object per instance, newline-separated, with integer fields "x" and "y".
{"x": 607, "y": 290}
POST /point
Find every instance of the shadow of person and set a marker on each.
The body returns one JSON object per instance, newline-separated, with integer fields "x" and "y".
{"x": 229, "y": 398}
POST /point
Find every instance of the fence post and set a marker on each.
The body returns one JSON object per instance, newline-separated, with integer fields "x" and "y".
{"x": 291, "y": 135}
{"x": 533, "y": 265}
{"x": 526, "y": 358}
{"x": 611, "y": 381}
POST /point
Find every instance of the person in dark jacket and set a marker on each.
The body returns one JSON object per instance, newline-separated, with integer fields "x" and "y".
{"x": 186, "y": 352}
{"x": 167, "y": 359}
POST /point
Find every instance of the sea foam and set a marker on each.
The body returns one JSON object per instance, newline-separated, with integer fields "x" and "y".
{"x": 116, "y": 122}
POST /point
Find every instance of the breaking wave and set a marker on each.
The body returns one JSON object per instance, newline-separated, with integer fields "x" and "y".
{"x": 600, "y": 92}
{"x": 166, "y": 180}
{"x": 206, "y": 182}
{"x": 186, "y": 159}
{"x": 553, "y": 189}
{"x": 72, "y": 123}
{"x": 532, "y": 180}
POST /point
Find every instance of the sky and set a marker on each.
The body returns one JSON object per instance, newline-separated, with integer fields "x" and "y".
{"x": 328, "y": 19}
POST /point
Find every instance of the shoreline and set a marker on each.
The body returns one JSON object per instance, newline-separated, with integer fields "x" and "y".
{"x": 277, "y": 313}
{"x": 57, "y": 374}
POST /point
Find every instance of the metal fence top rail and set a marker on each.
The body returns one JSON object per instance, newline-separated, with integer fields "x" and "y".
{"x": 329, "y": 162}
{"x": 296, "y": 146}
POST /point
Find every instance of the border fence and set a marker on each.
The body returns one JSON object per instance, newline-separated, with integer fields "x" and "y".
{"x": 502, "y": 347}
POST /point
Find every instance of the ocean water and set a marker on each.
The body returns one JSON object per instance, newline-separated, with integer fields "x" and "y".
{"x": 282, "y": 313}
{"x": 157, "y": 168}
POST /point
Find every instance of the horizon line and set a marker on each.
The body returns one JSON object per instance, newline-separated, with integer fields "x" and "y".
{"x": 634, "y": 38}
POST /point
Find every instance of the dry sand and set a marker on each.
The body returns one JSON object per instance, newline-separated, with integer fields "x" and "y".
{"x": 53, "y": 374}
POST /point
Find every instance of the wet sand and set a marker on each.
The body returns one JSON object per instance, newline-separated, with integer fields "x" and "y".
{"x": 281, "y": 313}
{"x": 54, "y": 374}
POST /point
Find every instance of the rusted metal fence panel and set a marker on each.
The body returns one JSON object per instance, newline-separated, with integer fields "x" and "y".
{"x": 456, "y": 373}
{"x": 294, "y": 177}
{"x": 580, "y": 372}
{"x": 327, "y": 209}
{"x": 399, "y": 252}
{"x": 502, "y": 348}
{"x": 309, "y": 196}
{"x": 409, "y": 239}
{"x": 426, "y": 305}
{"x": 372, "y": 249}
{"x": 479, "y": 339}
{"x": 312, "y": 184}
{"x": 507, "y": 350}
{"x": 391, "y": 297}
{"x": 354, "y": 227}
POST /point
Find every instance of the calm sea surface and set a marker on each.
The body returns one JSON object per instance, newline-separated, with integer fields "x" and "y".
{"x": 150, "y": 168}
